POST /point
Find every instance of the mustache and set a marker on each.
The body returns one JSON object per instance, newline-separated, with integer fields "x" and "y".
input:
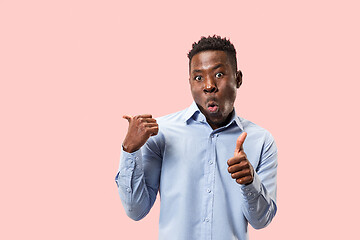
{"x": 211, "y": 99}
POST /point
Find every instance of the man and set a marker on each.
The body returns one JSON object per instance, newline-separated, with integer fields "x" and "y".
{"x": 215, "y": 171}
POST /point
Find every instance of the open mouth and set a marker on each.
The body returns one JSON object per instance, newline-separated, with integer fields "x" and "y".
{"x": 212, "y": 107}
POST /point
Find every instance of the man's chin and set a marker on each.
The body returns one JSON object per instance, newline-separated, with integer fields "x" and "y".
{"x": 213, "y": 114}
{"x": 215, "y": 118}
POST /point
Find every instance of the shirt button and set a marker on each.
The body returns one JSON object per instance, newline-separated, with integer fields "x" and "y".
{"x": 128, "y": 190}
{"x": 251, "y": 209}
{"x": 249, "y": 194}
{"x": 208, "y": 190}
{"x": 137, "y": 158}
{"x": 207, "y": 219}
{"x": 211, "y": 162}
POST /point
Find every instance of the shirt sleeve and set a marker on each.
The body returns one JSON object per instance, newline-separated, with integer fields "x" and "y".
{"x": 260, "y": 196}
{"x": 138, "y": 178}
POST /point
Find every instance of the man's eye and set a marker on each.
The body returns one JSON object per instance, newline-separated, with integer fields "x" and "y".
{"x": 219, "y": 75}
{"x": 198, "y": 78}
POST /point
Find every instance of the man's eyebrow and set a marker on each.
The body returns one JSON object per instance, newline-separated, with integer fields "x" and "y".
{"x": 196, "y": 71}
{"x": 213, "y": 68}
{"x": 217, "y": 66}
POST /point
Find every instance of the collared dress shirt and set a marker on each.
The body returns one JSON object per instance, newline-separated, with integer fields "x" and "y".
{"x": 187, "y": 164}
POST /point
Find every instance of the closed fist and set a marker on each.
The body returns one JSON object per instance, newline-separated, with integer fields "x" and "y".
{"x": 141, "y": 128}
{"x": 239, "y": 166}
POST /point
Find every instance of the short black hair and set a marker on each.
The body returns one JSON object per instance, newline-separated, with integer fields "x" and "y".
{"x": 214, "y": 43}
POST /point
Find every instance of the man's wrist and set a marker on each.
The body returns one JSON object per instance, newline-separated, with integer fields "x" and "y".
{"x": 129, "y": 148}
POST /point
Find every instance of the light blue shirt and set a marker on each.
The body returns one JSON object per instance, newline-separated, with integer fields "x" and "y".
{"x": 187, "y": 164}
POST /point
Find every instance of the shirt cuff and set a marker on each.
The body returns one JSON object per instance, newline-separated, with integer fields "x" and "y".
{"x": 131, "y": 163}
{"x": 252, "y": 190}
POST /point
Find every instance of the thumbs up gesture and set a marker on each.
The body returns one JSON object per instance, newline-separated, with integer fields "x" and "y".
{"x": 239, "y": 166}
{"x": 141, "y": 128}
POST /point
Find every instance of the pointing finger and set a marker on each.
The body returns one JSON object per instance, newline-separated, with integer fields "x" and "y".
{"x": 239, "y": 142}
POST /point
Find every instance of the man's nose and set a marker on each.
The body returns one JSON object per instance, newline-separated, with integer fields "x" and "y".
{"x": 210, "y": 85}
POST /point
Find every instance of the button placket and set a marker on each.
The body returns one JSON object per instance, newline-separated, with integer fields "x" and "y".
{"x": 209, "y": 184}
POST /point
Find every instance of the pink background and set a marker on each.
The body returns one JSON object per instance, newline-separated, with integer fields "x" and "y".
{"x": 70, "y": 69}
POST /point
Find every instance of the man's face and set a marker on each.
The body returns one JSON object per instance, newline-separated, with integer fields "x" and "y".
{"x": 213, "y": 83}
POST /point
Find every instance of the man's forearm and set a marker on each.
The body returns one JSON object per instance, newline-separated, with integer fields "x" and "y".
{"x": 259, "y": 207}
{"x": 136, "y": 197}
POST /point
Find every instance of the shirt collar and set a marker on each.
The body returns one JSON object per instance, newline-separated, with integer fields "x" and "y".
{"x": 194, "y": 113}
{"x": 191, "y": 111}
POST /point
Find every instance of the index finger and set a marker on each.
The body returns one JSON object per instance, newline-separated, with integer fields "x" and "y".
{"x": 237, "y": 159}
{"x": 144, "y": 116}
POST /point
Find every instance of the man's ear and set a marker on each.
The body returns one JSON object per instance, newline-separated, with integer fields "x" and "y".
{"x": 238, "y": 78}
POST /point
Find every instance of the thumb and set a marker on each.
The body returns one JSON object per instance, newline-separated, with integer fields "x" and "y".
{"x": 240, "y": 141}
{"x": 127, "y": 117}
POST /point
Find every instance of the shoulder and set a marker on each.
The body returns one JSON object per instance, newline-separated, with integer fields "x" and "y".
{"x": 260, "y": 137}
{"x": 168, "y": 124}
{"x": 171, "y": 119}
{"x": 256, "y": 131}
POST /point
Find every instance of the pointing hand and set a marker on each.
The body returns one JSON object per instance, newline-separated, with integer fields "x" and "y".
{"x": 239, "y": 166}
{"x": 141, "y": 128}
